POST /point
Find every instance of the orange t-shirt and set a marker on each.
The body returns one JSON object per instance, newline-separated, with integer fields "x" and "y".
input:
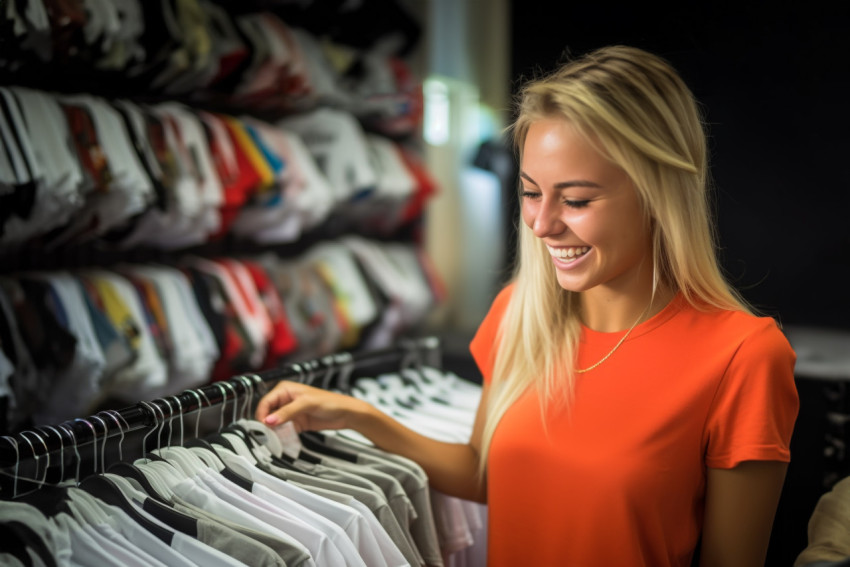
{"x": 620, "y": 479}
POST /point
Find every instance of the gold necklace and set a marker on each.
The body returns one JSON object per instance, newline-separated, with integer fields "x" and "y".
{"x": 616, "y": 346}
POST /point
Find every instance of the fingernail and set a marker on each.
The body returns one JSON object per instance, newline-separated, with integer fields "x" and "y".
{"x": 271, "y": 419}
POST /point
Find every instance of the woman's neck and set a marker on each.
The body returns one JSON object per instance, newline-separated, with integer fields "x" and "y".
{"x": 609, "y": 311}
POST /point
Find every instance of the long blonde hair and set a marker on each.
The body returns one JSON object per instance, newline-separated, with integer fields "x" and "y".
{"x": 640, "y": 114}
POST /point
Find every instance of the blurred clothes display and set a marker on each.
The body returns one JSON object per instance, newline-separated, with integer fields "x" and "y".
{"x": 170, "y": 176}
{"x": 194, "y": 189}
{"x": 267, "y": 57}
{"x": 70, "y": 339}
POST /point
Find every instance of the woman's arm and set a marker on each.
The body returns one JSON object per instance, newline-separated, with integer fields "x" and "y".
{"x": 452, "y": 468}
{"x": 740, "y": 504}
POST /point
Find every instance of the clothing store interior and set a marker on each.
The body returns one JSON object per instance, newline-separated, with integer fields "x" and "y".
{"x": 199, "y": 198}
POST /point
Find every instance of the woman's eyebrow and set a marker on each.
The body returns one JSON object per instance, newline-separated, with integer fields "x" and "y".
{"x": 565, "y": 184}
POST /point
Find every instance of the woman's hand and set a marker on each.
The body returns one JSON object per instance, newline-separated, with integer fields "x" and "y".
{"x": 452, "y": 468}
{"x": 309, "y": 408}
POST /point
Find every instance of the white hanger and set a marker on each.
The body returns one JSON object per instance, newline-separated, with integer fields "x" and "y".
{"x": 39, "y": 481}
{"x": 178, "y": 455}
{"x": 204, "y": 454}
{"x": 129, "y": 486}
{"x": 73, "y": 437}
{"x": 158, "y": 478}
{"x": 14, "y": 443}
{"x": 61, "y": 450}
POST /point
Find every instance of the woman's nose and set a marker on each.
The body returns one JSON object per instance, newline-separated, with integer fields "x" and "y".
{"x": 547, "y": 221}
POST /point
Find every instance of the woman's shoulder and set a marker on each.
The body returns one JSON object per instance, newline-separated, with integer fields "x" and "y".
{"x": 499, "y": 304}
{"x": 483, "y": 342}
{"x": 504, "y": 295}
{"x": 759, "y": 332}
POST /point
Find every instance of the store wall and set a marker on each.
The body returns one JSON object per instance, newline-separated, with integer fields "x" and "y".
{"x": 773, "y": 85}
{"x": 770, "y": 84}
{"x": 465, "y": 58}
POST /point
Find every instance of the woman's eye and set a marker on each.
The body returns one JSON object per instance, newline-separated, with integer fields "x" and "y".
{"x": 573, "y": 204}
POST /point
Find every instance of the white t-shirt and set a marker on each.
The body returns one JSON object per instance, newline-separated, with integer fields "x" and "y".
{"x": 347, "y": 281}
{"x": 130, "y": 189}
{"x": 337, "y": 142}
{"x": 191, "y": 358}
{"x": 59, "y": 194}
{"x": 351, "y": 521}
{"x": 203, "y": 496}
{"x": 200, "y": 165}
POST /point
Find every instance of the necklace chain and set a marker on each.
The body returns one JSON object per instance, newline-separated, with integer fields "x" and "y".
{"x": 616, "y": 346}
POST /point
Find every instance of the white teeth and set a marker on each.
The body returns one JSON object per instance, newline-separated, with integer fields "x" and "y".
{"x": 570, "y": 254}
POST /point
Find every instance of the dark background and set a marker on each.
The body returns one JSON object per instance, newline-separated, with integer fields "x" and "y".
{"x": 773, "y": 82}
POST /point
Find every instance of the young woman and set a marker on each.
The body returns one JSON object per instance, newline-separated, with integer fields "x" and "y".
{"x": 633, "y": 407}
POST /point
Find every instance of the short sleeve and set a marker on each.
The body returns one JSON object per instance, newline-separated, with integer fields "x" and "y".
{"x": 483, "y": 344}
{"x": 753, "y": 413}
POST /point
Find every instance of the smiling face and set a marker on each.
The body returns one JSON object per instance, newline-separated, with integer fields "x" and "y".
{"x": 585, "y": 209}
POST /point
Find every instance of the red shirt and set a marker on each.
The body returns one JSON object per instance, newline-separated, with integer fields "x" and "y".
{"x": 620, "y": 478}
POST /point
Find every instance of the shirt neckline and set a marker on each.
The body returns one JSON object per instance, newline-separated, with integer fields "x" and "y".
{"x": 673, "y": 306}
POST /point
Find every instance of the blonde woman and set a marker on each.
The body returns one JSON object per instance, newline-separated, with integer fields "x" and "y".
{"x": 634, "y": 409}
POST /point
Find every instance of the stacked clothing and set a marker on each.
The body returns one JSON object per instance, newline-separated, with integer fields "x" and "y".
{"x": 75, "y": 168}
{"x": 271, "y": 58}
{"x": 72, "y": 339}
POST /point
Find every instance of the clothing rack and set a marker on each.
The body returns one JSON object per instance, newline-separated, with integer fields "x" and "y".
{"x": 335, "y": 370}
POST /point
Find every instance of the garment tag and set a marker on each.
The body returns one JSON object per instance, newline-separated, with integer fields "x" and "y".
{"x": 289, "y": 440}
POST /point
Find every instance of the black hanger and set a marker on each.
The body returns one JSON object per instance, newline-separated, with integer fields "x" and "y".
{"x": 33, "y": 541}
{"x": 284, "y": 461}
{"x": 106, "y": 490}
{"x": 308, "y": 458}
{"x": 156, "y": 505}
{"x": 245, "y": 435}
{"x": 317, "y": 445}
{"x": 178, "y": 520}
{"x": 129, "y": 470}
{"x": 23, "y": 540}
{"x": 205, "y": 443}
{"x": 226, "y": 471}
{"x": 49, "y": 500}
{"x": 15, "y": 544}
{"x": 221, "y": 440}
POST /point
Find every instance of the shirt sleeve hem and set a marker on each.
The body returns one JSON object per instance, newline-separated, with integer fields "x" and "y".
{"x": 763, "y": 453}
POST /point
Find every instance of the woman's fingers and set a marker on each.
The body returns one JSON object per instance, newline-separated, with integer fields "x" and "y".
{"x": 292, "y": 412}
{"x": 309, "y": 408}
{"x": 278, "y": 397}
